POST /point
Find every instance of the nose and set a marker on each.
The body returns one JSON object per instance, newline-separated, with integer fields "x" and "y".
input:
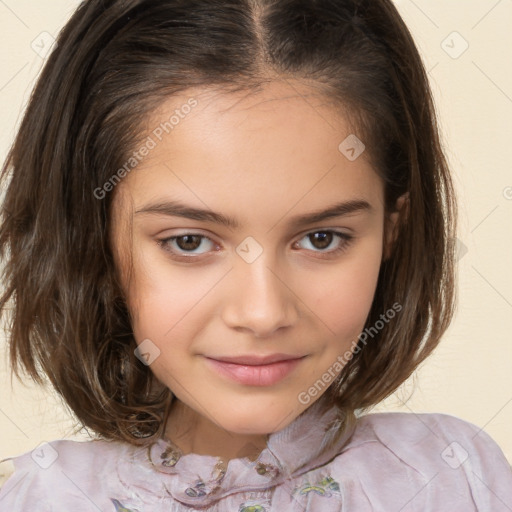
{"x": 260, "y": 301}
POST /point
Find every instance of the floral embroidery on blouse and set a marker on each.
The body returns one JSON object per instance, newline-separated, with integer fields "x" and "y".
{"x": 251, "y": 507}
{"x": 196, "y": 491}
{"x": 120, "y": 507}
{"x": 323, "y": 487}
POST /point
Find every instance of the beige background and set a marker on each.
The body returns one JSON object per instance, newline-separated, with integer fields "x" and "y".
{"x": 470, "y": 374}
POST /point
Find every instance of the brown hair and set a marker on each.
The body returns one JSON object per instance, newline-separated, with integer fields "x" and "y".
{"x": 114, "y": 63}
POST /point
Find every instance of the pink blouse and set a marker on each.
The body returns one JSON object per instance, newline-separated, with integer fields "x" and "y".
{"x": 389, "y": 462}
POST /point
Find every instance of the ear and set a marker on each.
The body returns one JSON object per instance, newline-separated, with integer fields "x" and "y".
{"x": 392, "y": 223}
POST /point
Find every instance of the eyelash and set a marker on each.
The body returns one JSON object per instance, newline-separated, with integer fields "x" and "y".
{"x": 346, "y": 240}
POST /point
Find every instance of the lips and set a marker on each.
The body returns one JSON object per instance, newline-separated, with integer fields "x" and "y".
{"x": 255, "y": 370}
{"x": 256, "y": 360}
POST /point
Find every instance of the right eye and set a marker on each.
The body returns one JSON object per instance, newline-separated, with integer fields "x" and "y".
{"x": 181, "y": 245}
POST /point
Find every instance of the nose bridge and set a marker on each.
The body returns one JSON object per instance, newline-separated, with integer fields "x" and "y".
{"x": 260, "y": 301}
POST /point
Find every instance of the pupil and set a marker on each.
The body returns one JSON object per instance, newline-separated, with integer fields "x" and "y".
{"x": 189, "y": 241}
{"x": 324, "y": 239}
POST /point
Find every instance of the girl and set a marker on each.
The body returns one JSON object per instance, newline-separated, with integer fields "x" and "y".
{"x": 226, "y": 235}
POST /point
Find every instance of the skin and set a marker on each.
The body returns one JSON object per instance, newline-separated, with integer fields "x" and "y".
{"x": 262, "y": 159}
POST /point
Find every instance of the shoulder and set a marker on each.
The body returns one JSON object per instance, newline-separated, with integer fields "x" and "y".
{"x": 64, "y": 454}
{"x": 71, "y": 471}
{"x": 427, "y": 437}
{"x": 437, "y": 458}
{"x": 415, "y": 428}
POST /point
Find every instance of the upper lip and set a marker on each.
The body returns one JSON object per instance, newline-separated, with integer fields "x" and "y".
{"x": 256, "y": 360}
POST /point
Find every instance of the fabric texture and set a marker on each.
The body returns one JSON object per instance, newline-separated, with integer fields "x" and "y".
{"x": 387, "y": 462}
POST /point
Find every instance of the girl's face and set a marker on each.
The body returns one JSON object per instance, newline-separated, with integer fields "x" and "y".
{"x": 269, "y": 283}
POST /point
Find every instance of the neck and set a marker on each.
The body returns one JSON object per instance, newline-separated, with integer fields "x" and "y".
{"x": 195, "y": 433}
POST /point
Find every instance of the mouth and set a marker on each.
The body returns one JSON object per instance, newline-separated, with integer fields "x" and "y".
{"x": 255, "y": 371}
{"x": 255, "y": 359}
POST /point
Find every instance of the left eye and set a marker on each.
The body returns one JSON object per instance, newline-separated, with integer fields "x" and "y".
{"x": 321, "y": 240}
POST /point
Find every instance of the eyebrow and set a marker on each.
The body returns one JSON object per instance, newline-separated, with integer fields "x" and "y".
{"x": 178, "y": 209}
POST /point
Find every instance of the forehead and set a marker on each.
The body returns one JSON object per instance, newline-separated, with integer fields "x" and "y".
{"x": 279, "y": 146}
{"x": 300, "y": 111}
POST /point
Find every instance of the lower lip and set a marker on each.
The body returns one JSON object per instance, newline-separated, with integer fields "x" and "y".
{"x": 261, "y": 375}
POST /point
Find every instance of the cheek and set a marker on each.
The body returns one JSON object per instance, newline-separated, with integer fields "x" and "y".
{"x": 165, "y": 298}
{"x": 342, "y": 295}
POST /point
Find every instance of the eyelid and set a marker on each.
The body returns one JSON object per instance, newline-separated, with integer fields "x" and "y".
{"x": 331, "y": 229}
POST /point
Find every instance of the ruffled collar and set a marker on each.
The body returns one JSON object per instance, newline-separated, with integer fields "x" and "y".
{"x": 311, "y": 440}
